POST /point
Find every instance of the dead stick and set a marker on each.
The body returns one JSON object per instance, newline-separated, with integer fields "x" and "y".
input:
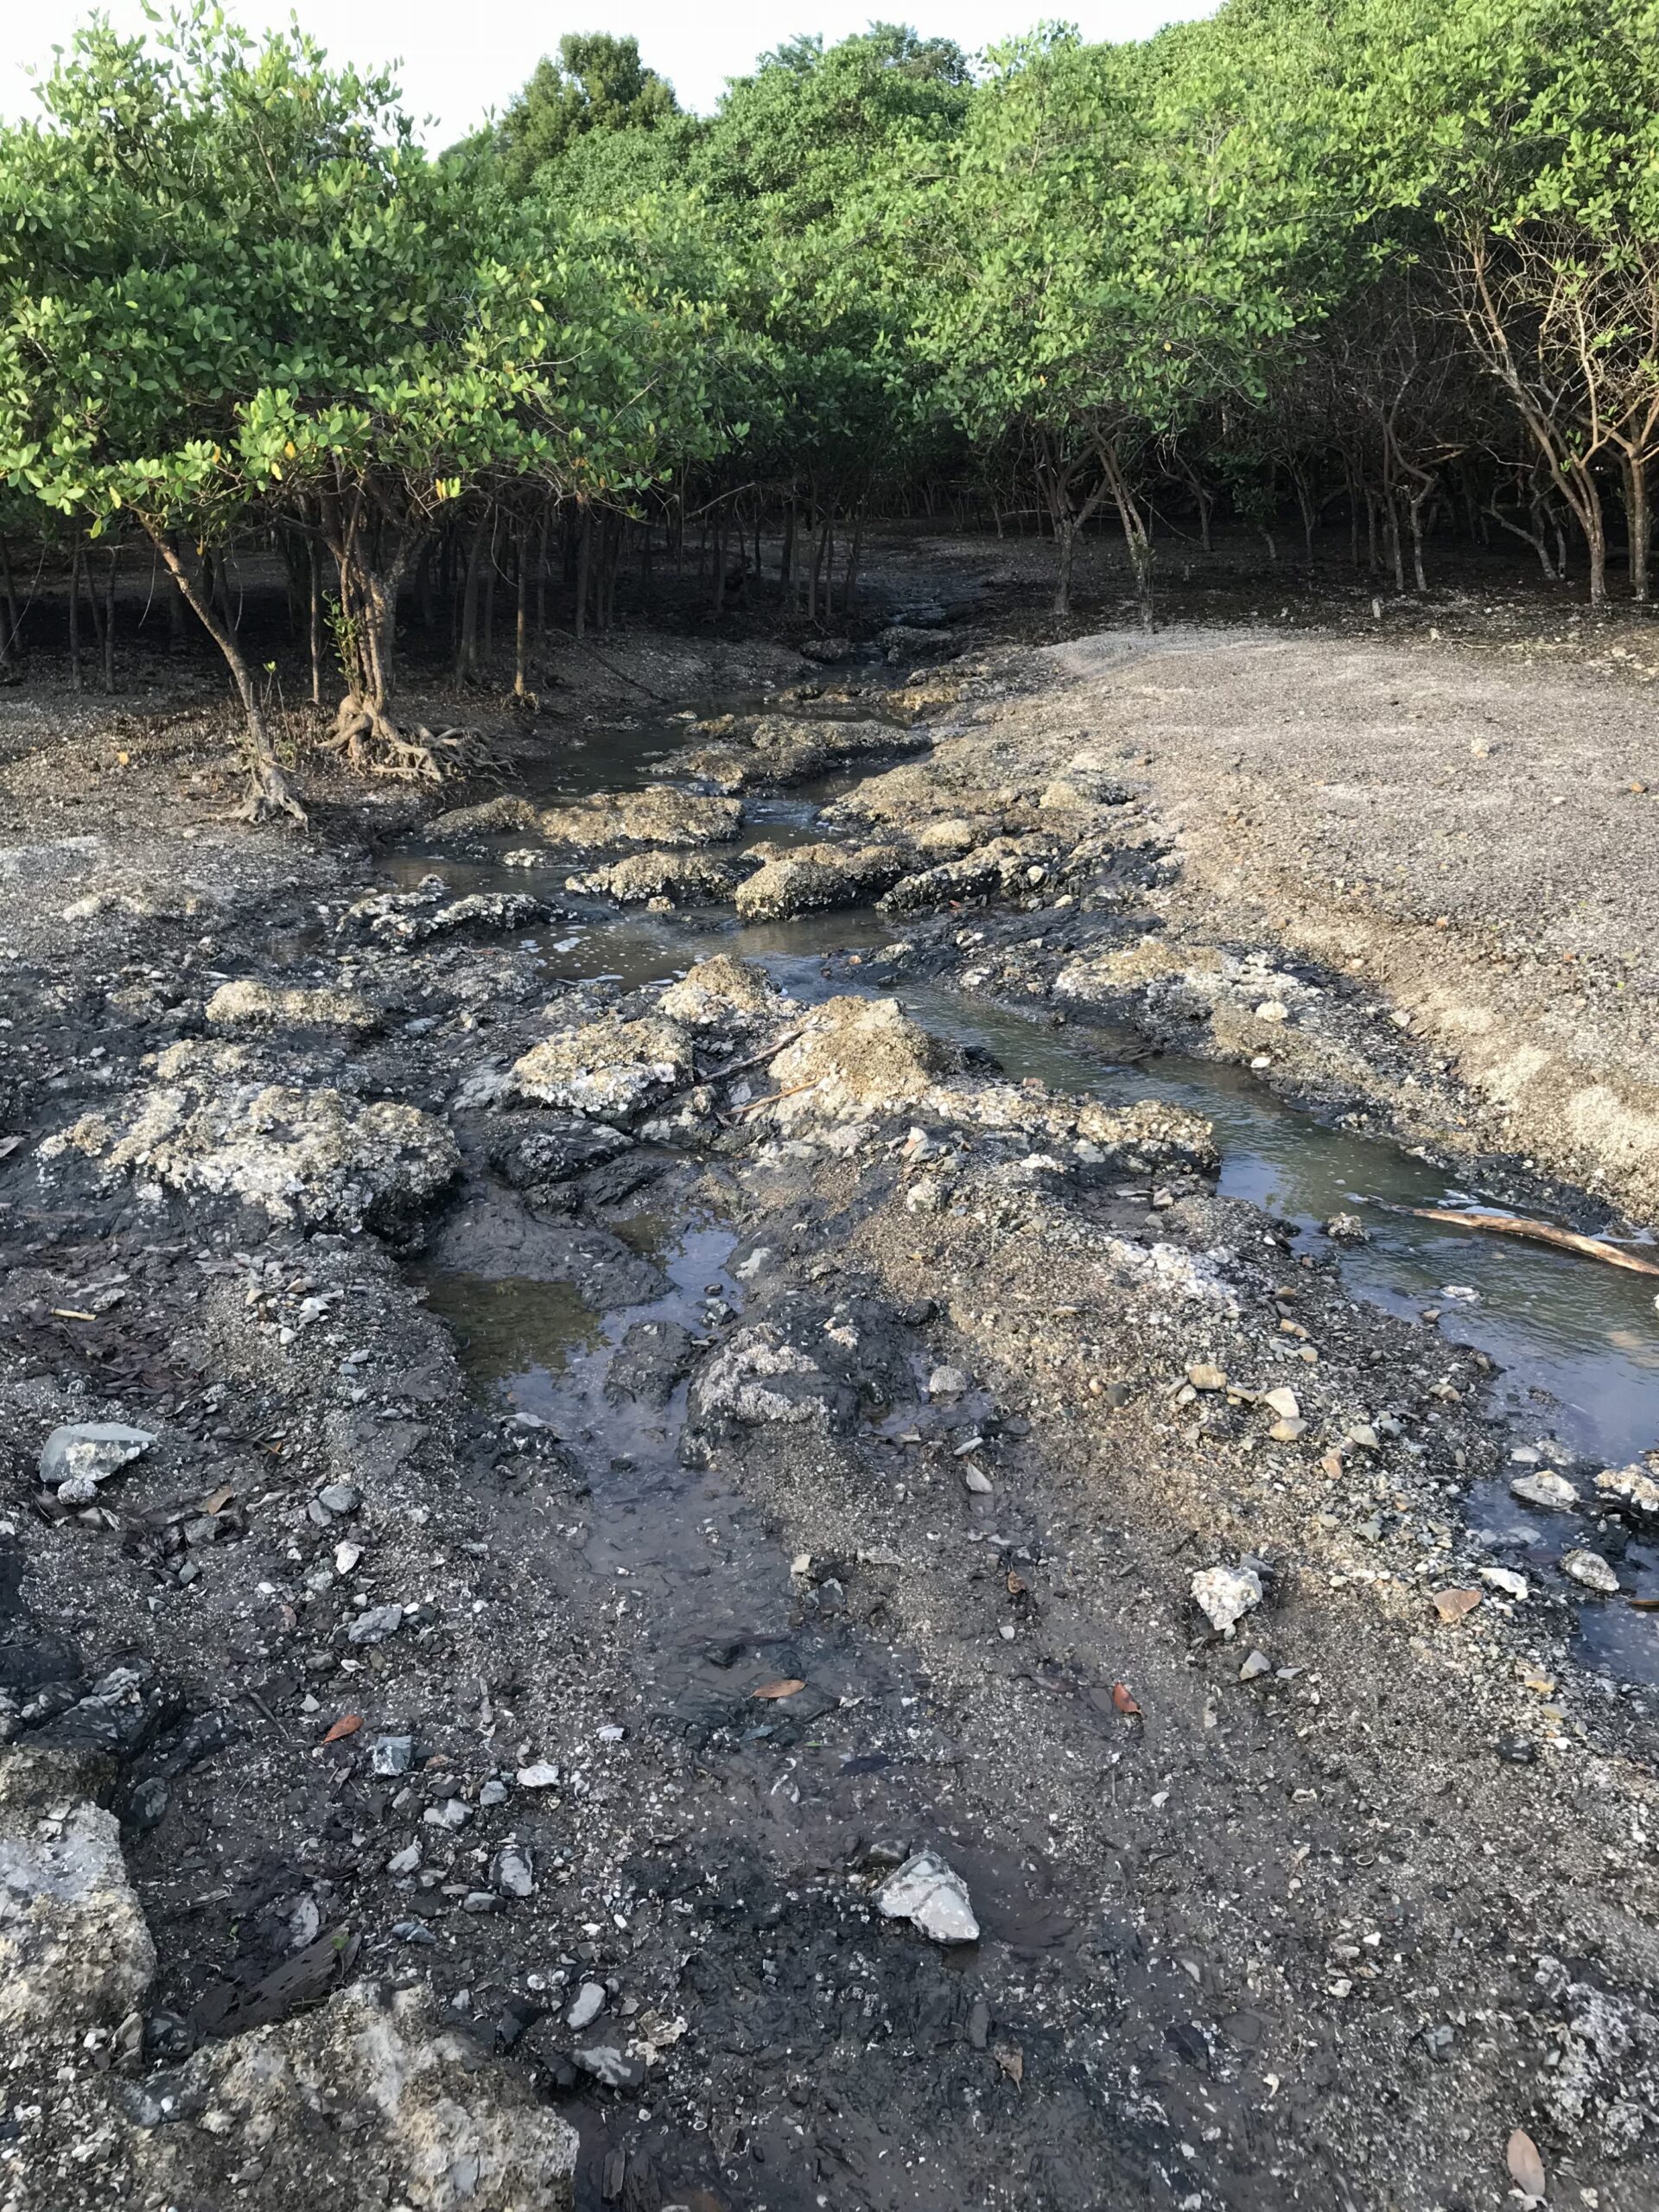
{"x": 742, "y": 1067}
{"x": 794, "y": 1091}
{"x": 1539, "y": 1232}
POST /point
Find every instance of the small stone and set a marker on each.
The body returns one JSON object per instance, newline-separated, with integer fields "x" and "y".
{"x": 1283, "y": 1402}
{"x": 494, "y": 1792}
{"x": 406, "y": 1861}
{"x": 611, "y": 2066}
{"x": 1347, "y": 1229}
{"x": 1506, "y": 1579}
{"x": 1517, "y": 1750}
{"x": 1203, "y": 1377}
{"x": 375, "y": 1625}
{"x": 1225, "y": 1594}
{"x": 973, "y": 1480}
{"x": 390, "y": 1755}
{"x": 586, "y": 2007}
{"x": 1593, "y": 1571}
{"x": 1257, "y": 1664}
{"x": 512, "y": 1872}
{"x": 947, "y": 1383}
{"x": 542, "y": 1775}
{"x": 1287, "y": 1431}
{"x": 340, "y": 1499}
{"x": 1633, "y": 1486}
{"x": 1363, "y": 1436}
{"x": 346, "y": 1557}
{"x": 931, "y": 1896}
{"x": 1273, "y": 1010}
{"x": 1551, "y": 1490}
{"x": 147, "y": 1806}
{"x": 453, "y": 1813}
{"x": 481, "y": 1901}
{"x": 89, "y": 1452}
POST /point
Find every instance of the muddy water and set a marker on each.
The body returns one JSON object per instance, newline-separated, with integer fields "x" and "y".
{"x": 1576, "y": 1343}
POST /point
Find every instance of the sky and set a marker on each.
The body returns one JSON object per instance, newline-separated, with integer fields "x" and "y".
{"x": 459, "y": 62}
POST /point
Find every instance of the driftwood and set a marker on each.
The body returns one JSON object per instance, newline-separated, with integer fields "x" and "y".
{"x": 1537, "y": 1232}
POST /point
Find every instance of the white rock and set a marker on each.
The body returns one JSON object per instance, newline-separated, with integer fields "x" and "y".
{"x": 1225, "y": 1594}
{"x": 1545, "y": 1488}
{"x": 933, "y": 1896}
{"x": 1257, "y": 1664}
{"x": 542, "y": 1775}
{"x": 588, "y": 2004}
{"x": 1273, "y": 1010}
{"x": 1283, "y": 1402}
{"x": 87, "y": 1453}
{"x": 1593, "y": 1571}
{"x": 1506, "y": 1579}
{"x": 1634, "y": 1484}
{"x": 947, "y": 1383}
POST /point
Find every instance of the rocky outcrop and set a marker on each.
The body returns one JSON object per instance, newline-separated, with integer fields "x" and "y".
{"x": 811, "y": 876}
{"x": 312, "y": 1158}
{"x": 858, "y": 1056}
{"x": 721, "y": 993}
{"x": 612, "y": 1069}
{"x": 677, "y": 878}
{"x": 655, "y": 817}
{"x": 248, "y": 1005}
{"x": 489, "y": 817}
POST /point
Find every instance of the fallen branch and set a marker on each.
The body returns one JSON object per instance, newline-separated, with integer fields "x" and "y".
{"x": 773, "y": 1097}
{"x": 754, "y": 1060}
{"x": 1536, "y": 1232}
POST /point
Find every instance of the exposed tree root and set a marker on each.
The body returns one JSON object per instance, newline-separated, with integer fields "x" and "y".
{"x": 373, "y": 745}
{"x": 270, "y": 796}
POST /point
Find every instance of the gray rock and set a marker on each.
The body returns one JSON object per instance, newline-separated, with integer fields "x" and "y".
{"x": 512, "y": 1872}
{"x": 374, "y": 1625}
{"x": 1552, "y": 1491}
{"x": 87, "y": 1453}
{"x": 607, "y": 2063}
{"x": 586, "y": 2007}
{"x": 929, "y": 1892}
{"x": 391, "y": 1755}
{"x": 339, "y": 1498}
{"x": 147, "y": 1806}
{"x": 1593, "y": 1571}
{"x": 1225, "y": 1594}
{"x": 613, "y": 1071}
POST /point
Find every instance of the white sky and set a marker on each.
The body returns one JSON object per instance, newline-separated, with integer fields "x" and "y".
{"x": 458, "y": 62}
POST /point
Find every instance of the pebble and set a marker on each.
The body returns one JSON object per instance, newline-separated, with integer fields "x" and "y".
{"x": 611, "y": 2066}
{"x": 1363, "y": 1436}
{"x": 1347, "y": 1229}
{"x": 929, "y": 1893}
{"x": 453, "y": 1813}
{"x": 512, "y": 1872}
{"x": 1257, "y": 1664}
{"x": 1225, "y": 1594}
{"x": 390, "y": 1755}
{"x": 375, "y": 1625}
{"x": 406, "y": 1861}
{"x": 1287, "y": 1431}
{"x": 1593, "y": 1571}
{"x": 1273, "y": 1010}
{"x": 1203, "y": 1377}
{"x": 586, "y": 2007}
{"x": 975, "y": 1481}
{"x": 947, "y": 1383}
{"x": 1548, "y": 1490}
{"x": 339, "y": 1498}
{"x": 541, "y": 1776}
{"x": 1283, "y": 1402}
{"x": 346, "y": 1557}
{"x": 1506, "y": 1579}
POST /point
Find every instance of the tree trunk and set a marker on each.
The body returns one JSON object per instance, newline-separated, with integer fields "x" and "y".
{"x": 1638, "y": 517}
{"x": 74, "y": 619}
{"x": 584, "y": 562}
{"x": 269, "y": 790}
{"x": 466, "y": 646}
{"x": 315, "y": 621}
{"x": 520, "y": 688}
{"x": 1066, "y": 536}
{"x": 109, "y": 623}
{"x": 9, "y": 601}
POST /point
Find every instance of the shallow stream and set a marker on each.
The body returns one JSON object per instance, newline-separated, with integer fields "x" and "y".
{"x": 1576, "y": 1342}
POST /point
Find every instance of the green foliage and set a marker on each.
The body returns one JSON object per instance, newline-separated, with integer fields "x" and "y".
{"x": 598, "y": 84}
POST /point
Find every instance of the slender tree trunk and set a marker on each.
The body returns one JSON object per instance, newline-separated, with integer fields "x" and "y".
{"x": 270, "y": 792}
{"x": 584, "y": 559}
{"x": 109, "y": 623}
{"x": 1638, "y": 518}
{"x": 849, "y": 588}
{"x": 314, "y": 627}
{"x": 1066, "y": 536}
{"x": 466, "y": 646}
{"x": 520, "y": 621}
{"x": 74, "y": 619}
{"x": 9, "y": 602}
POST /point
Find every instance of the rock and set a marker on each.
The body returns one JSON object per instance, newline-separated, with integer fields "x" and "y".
{"x": 391, "y": 1755}
{"x": 435, "y": 2125}
{"x": 340, "y": 1500}
{"x": 1633, "y": 1486}
{"x": 1257, "y": 1664}
{"x": 248, "y": 1005}
{"x": 612, "y": 2066}
{"x": 403, "y": 918}
{"x": 1592, "y": 1570}
{"x": 758, "y": 1378}
{"x": 588, "y": 2004}
{"x": 406, "y": 1861}
{"x": 650, "y": 817}
{"x": 1225, "y": 1594}
{"x": 1284, "y": 1402}
{"x": 1204, "y": 1376}
{"x": 86, "y": 1452}
{"x": 512, "y": 1873}
{"x": 1506, "y": 1579}
{"x": 1151, "y": 1133}
{"x": 719, "y": 993}
{"x": 611, "y": 1069}
{"x": 1347, "y": 1229}
{"x": 947, "y": 1383}
{"x": 807, "y": 877}
{"x": 74, "y": 1952}
{"x": 1287, "y": 1431}
{"x": 541, "y": 1776}
{"x": 858, "y": 1053}
{"x": 678, "y": 878}
{"x": 932, "y": 1897}
{"x": 147, "y": 1806}
{"x": 489, "y": 817}
{"x": 1553, "y": 1491}
{"x": 313, "y": 1158}
{"x": 374, "y": 1625}
{"x": 979, "y": 1484}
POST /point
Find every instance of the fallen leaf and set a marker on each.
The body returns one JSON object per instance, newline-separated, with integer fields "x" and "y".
{"x": 1122, "y": 1699}
{"x": 1452, "y": 1605}
{"x": 219, "y": 1499}
{"x": 1016, "y": 1584}
{"x": 777, "y": 1689}
{"x": 1526, "y": 2167}
{"x": 347, "y": 1724}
